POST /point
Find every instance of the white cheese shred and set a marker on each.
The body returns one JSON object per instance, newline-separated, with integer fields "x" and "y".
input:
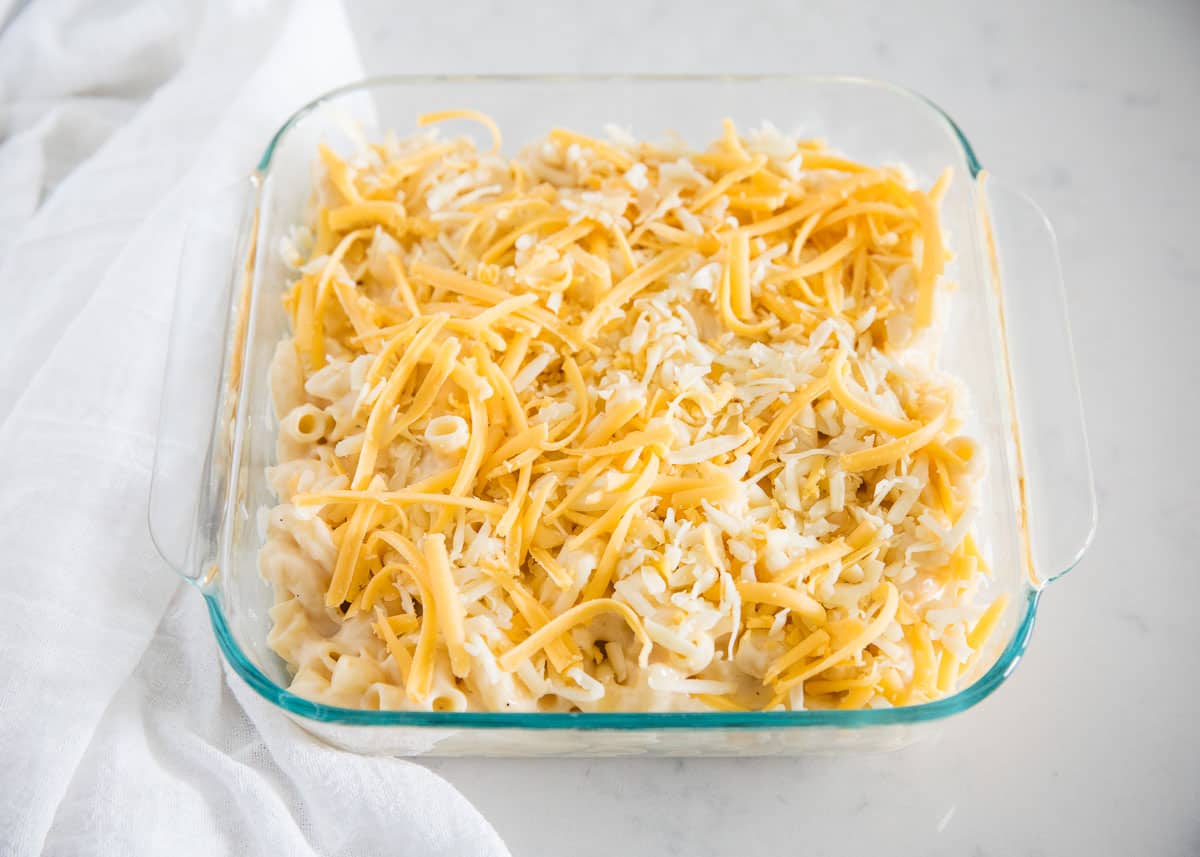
{"x": 617, "y": 426}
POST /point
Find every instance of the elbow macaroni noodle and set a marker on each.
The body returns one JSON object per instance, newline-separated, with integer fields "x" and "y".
{"x": 614, "y": 426}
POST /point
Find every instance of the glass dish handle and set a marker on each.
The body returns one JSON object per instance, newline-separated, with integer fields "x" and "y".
{"x": 189, "y": 483}
{"x": 1058, "y": 497}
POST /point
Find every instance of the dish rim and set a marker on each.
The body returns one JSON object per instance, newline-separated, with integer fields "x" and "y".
{"x": 319, "y": 712}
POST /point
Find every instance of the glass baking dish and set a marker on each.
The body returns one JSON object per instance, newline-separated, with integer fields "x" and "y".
{"x": 1007, "y": 339}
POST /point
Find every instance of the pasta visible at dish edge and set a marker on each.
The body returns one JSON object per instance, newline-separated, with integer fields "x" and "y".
{"x": 613, "y": 426}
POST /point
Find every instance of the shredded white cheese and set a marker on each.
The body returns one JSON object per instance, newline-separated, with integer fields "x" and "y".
{"x": 617, "y": 426}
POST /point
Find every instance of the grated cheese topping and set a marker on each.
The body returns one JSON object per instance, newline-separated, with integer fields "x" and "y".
{"x": 610, "y": 426}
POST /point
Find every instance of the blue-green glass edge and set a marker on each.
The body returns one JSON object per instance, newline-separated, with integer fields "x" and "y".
{"x": 857, "y": 718}
{"x": 839, "y": 718}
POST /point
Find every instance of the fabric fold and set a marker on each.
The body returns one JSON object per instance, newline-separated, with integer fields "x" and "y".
{"x": 120, "y": 732}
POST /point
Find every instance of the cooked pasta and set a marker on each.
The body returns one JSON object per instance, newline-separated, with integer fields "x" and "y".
{"x": 617, "y": 426}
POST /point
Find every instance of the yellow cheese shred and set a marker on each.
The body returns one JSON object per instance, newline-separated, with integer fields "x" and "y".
{"x": 606, "y": 151}
{"x": 396, "y": 498}
{"x": 389, "y": 215}
{"x": 562, "y": 651}
{"x": 375, "y": 590}
{"x": 463, "y": 285}
{"x": 386, "y": 631}
{"x": 450, "y": 610}
{"x": 719, "y": 702}
{"x": 892, "y": 451}
{"x": 811, "y": 561}
{"x": 438, "y": 374}
{"x": 638, "y": 490}
{"x": 932, "y": 258}
{"x": 530, "y": 439}
{"x": 810, "y": 644}
{"x": 420, "y": 676}
{"x": 739, "y": 274}
{"x": 517, "y": 503}
{"x": 725, "y": 298}
{"x": 554, "y": 570}
{"x": 361, "y": 520}
{"x": 982, "y": 631}
{"x": 778, "y": 595}
{"x": 868, "y": 414}
{"x": 723, "y": 184}
{"x": 628, "y": 287}
{"x": 614, "y": 419}
{"x": 339, "y": 174}
{"x": 948, "y": 668}
{"x": 598, "y": 583}
{"x": 924, "y": 660}
{"x": 483, "y": 119}
{"x": 562, "y": 623}
{"x": 383, "y": 404}
{"x": 820, "y": 202}
{"x": 869, "y": 634}
{"x": 799, "y": 400}
{"x": 470, "y": 383}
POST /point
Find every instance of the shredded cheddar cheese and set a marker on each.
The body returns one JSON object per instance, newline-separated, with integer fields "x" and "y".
{"x": 611, "y": 425}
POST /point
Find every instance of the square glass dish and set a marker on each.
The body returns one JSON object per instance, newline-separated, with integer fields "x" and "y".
{"x": 1007, "y": 339}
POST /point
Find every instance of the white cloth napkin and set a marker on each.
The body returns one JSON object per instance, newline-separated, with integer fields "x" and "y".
{"x": 118, "y": 731}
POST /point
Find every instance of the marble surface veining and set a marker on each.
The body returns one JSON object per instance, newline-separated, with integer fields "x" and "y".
{"x": 1091, "y": 747}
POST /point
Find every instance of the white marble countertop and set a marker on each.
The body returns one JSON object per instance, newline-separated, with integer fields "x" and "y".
{"x": 1091, "y": 747}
